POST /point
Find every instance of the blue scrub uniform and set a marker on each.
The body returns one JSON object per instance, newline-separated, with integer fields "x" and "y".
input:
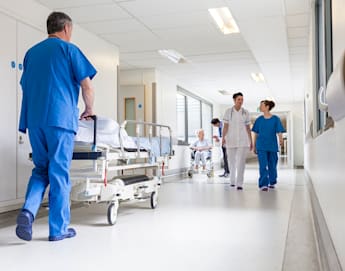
{"x": 267, "y": 148}
{"x": 53, "y": 70}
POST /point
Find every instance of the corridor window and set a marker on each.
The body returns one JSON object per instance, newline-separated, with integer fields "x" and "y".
{"x": 323, "y": 50}
{"x": 193, "y": 113}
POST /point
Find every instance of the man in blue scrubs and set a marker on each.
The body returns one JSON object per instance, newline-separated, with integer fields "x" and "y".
{"x": 54, "y": 71}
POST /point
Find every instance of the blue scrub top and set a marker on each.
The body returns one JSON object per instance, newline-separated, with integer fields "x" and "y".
{"x": 267, "y": 130}
{"x": 53, "y": 70}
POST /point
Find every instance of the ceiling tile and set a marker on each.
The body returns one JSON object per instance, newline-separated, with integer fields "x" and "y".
{"x": 114, "y": 26}
{"x": 87, "y": 14}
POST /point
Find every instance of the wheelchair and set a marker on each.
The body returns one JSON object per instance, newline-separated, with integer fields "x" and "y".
{"x": 209, "y": 170}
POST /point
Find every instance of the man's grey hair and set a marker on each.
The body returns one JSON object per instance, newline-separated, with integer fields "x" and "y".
{"x": 56, "y": 22}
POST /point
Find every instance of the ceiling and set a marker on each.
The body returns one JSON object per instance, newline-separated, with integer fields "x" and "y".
{"x": 273, "y": 39}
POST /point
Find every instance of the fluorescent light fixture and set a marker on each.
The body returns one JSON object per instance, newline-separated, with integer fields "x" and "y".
{"x": 173, "y": 56}
{"x": 224, "y": 92}
{"x": 258, "y": 77}
{"x": 224, "y": 20}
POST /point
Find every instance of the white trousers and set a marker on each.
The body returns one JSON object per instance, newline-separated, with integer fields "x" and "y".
{"x": 200, "y": 156}
{"x": 237, "y": 162}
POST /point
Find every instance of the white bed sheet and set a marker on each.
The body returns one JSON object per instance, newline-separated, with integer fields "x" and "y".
{"x": 107, "y": 133}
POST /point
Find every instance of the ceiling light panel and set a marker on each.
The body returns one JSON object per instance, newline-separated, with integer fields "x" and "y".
{"x": 224, "y": 20}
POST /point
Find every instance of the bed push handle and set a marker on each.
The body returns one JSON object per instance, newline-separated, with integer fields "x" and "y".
{"x": 94, "y": 118}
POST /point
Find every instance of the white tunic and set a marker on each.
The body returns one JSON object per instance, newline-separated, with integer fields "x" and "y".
{"x": 237, "y": 135}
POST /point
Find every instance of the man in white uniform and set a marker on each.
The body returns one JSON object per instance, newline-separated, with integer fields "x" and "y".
{"x": 237, "y": 139}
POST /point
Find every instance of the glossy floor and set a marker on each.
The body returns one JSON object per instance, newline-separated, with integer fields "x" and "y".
{"x": 199, "y": 224}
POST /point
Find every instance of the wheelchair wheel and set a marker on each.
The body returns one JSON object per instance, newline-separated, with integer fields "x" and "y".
{"x": 190, "y": 173}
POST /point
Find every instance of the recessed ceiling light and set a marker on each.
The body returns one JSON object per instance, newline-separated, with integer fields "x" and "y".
{"x": 172, "y": 55}
{"x": 257, "y": 77}
{"x": 224, "y": 20}
{"x": 224, "y": 92}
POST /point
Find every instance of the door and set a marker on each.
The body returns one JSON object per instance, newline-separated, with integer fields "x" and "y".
{"x": 130, "y": 115}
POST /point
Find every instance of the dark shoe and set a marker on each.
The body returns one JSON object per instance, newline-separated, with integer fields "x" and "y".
{"x": 239, "y": 188}
{"x": 70, "y": 233}
{"x": 232, "y": 185}
{"x": 24, "y": 225}
{"x": 224, "y": 175}
{"x": 271, "y": 186}
{"x": 264, "y": 188}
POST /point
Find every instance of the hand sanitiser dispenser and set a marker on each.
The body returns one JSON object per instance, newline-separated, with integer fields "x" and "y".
{"x": 335, "y": 92}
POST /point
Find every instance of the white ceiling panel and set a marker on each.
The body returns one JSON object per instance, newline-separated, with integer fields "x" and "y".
{"x": 298, "y": 20}
{"x": 298, "y": 42}
{"x": 273, "y": 40}
{"x": 178, "y": 20}
{"x": 267, "y": 38}
{"x": 222, "y": 57}
{"x": 53, "y": 4}
{"x": 140, "y": 41}
{"x": 298, "y": 32}
{"x": 87, "y": 14}
{"x": 148, "y": 8}
{"x": 250, "y": 10}
{"x": 296, "y": 6}
{"x": 114, "y": 26}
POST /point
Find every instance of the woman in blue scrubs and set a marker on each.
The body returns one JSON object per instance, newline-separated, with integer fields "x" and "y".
{"x": 266, "y": 128}
{"x": 54, "y": 71}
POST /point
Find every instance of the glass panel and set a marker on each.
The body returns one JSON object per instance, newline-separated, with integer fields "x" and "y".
{"x": 181, "y": 117}
{"x": 193, "y": 115}
{"x": 206, "y": 121}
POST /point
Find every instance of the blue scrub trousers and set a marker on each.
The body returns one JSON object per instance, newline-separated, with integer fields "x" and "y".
{"x": 52, "y": 150}
{"x": 267, "y": 167}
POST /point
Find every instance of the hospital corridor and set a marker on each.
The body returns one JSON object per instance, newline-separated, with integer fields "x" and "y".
{"x": 200, "y": 224}
{"x": 172, "y": 135}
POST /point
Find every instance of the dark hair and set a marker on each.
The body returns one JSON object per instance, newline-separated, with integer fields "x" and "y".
{"x": 268, "y": 103}
{"x": 236, "y": 95}
{"x": 56, "y": 22}
{"x": 215, "y": 121}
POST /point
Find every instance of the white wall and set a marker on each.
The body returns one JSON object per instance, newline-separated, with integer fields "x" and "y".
{"x": 140, "y": 77}
{"x": 104, "y": 57}
{"x": 325, "y": 154}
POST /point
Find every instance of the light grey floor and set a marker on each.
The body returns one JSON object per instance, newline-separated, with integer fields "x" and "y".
{"x": 199, "y": 224}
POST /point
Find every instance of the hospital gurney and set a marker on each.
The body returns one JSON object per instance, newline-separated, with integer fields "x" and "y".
{"x": 98, "y": 171}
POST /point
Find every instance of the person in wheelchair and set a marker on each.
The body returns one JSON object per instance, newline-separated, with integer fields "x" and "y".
{"x": 201, "y": 150}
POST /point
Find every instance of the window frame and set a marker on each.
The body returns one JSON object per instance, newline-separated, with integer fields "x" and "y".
{"x": 186, "y": 94}
{"x": 323, "y": 55}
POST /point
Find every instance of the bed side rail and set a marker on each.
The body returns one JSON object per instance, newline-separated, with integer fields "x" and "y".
{"x": 150, "y": 126}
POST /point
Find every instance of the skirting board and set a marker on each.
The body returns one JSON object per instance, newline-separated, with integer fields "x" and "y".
{"x": 327, "y": 254}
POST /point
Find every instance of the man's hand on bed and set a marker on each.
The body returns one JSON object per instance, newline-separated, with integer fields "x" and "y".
{"x": 86, "y": 115}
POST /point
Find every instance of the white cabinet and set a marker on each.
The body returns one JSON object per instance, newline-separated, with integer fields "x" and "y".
{"x": 26, "y": 38}
{"x": 8, "y": 110}
{"x": 15, "y": 168}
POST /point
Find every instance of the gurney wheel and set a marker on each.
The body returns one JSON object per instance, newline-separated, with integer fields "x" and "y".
{"x": 112, "y": 212}
{"x": 154, "y": 200}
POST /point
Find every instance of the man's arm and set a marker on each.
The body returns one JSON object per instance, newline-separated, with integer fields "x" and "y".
{"x": 249, "y": 132}
{"x": 88, "y": 97}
